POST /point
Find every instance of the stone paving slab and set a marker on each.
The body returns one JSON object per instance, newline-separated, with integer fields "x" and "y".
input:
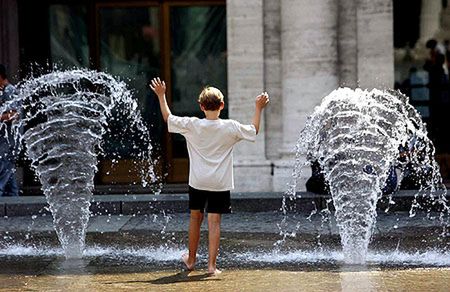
{"x": 23, "y": 209}
{"x": 26, "y": 224}
{"x": 245, "y": 222}
{"x": 153, "y": 206}
{"x": 106, "y": 207}
{"x": 111, "y": 223}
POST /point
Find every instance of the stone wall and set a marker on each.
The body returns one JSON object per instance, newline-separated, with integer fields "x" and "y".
{"x": 309, "y": 70}
{"x": 245, "y": 46}
{"x": 299, "y": 51}
{"x": 365, "y": 43}
{"x": 272, "y": 78}
{"x": 375, "y": 39}
{"x": 347, "y": 43}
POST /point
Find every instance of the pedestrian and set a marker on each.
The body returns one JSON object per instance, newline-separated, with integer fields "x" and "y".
{"x": 8, "y": 149}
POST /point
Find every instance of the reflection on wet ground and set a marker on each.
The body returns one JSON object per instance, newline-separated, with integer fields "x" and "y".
{"x": 72, "y": 277}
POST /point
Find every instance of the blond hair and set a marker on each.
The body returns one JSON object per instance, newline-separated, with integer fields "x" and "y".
{"x": 210, "y": 98}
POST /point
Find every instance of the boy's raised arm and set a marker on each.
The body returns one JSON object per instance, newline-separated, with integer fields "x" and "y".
{"x": 159, "y": 87}
{"x": 261, "y": 101}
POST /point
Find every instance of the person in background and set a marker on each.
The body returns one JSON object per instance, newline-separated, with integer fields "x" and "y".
{"x": 317, "y": 183}
{"x": 416, "y": 174}
{"x": 439, "y": 95}
{"x": 8, "y": 151}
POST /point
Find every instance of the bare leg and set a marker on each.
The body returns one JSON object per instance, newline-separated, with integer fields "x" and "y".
{"x": 214, "y": 240}
{"x": 195, "y": 223}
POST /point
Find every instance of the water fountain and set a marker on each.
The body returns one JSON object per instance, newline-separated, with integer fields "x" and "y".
{"x": 355, "y": 136}
{"x": 65, "y": 115}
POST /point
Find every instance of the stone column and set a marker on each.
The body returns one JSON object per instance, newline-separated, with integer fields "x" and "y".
{"x": 9, "y": 37}
{"x": 375, "y": 36}
{"x": 272, "y": 77}
{"x": 430, "y": 19}
{"x": 365, "y": 43}
{"x": 245, "y": 46}
{"x": 309, "y": 70}
{"x": 347, "y": 43}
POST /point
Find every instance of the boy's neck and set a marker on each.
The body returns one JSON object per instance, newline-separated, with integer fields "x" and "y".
{"x": 212, "y": 115}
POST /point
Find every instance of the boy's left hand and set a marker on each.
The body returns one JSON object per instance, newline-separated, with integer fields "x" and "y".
{"x": 262, "y": 100}
{"x": 158, "y": 86}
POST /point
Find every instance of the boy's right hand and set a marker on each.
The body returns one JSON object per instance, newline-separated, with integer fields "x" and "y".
{"x": 158, "y": 86}
{"x": 262, "y": 100}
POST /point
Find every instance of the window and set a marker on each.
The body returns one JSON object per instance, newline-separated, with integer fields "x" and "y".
{"x": 198, "y": 59}
{"x": 184, "y": 42}
{"x": 68, "y": 36}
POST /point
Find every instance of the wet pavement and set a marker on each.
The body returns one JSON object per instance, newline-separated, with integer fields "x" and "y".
{"x": 71, "y": 277}
{"x": 239, "y": 231}
{"x": 241, "y": 222}
{"x": 142, "y": 252}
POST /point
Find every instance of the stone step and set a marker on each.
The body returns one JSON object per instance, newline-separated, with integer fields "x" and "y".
{"x": 139, "y": 204}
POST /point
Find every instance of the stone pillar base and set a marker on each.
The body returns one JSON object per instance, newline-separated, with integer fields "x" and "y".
{"x": 282, "y": 175}
{"x": 252, "y": 176}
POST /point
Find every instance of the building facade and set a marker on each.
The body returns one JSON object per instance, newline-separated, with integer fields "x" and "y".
{"x": 297, "y": 50}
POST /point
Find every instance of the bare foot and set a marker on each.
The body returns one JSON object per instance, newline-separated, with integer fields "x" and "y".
{"x": 185, "y": 258}
{"x": 214, "y": 272}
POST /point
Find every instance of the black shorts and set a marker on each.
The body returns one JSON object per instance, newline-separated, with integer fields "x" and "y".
{"x": 215, "y": 202}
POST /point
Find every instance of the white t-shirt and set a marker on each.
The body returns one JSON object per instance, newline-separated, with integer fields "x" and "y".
{"x": 210, "y": 147}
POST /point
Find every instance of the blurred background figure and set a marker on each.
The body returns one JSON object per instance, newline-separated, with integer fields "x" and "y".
{"x": 8, "y": 153}
{"x": 421, "y": 65}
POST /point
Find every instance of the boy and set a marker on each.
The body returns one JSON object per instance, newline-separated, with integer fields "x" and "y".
{"x": 210, "y": 145}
